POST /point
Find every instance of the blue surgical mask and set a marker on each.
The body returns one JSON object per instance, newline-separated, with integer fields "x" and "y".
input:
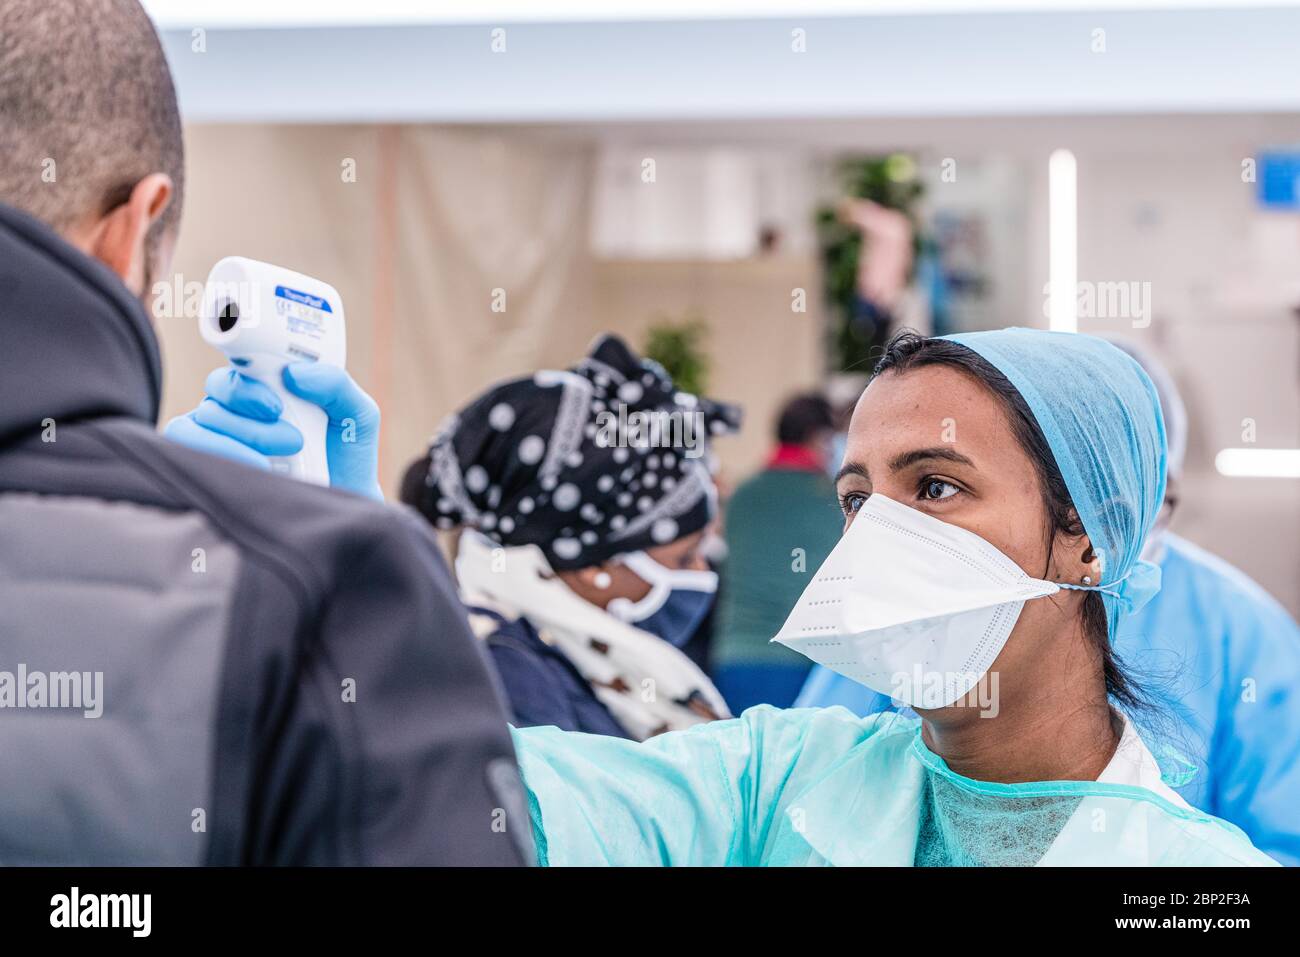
{"x": 679, "y": 599}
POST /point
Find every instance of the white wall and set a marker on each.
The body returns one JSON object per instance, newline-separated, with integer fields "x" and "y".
{"x": 1225, "y": 286}
{"x": 657, "y": 201}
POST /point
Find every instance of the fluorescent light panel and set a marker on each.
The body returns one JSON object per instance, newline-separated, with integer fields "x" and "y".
{"x": 1062, "y": 241}
{"x": 1258, "y": 463}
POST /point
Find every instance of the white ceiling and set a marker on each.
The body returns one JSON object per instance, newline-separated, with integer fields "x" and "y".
{"x": 1019, "y": 63}
{"x": 182, "y": 14}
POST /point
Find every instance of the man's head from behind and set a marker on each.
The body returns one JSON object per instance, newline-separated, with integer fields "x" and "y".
{"x": 90, "y": 134}
{"x": 806, "y": 420}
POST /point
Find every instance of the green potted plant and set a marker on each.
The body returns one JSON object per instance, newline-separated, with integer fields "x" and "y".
{"x": 678, "y": 346}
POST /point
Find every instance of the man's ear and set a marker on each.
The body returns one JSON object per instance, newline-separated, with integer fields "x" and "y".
{"x": 118, "y": 238}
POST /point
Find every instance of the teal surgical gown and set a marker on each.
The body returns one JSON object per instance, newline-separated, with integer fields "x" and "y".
{"x": 824, "y": 787}
{"x": 1223, "y": 658}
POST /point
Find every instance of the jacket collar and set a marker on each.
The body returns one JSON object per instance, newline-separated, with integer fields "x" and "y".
{"x": 77, "y": 344}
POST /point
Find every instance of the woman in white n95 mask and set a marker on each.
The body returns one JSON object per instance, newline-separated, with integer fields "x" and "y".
{"x": 997, "y": 489}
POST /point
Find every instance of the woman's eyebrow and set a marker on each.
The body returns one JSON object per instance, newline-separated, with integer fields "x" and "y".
{"x": 852, "y": 468}
{"x": 918, "y": 455}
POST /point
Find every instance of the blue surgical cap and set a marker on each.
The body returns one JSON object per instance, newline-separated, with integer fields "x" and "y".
{"x": 1101, "y": 417}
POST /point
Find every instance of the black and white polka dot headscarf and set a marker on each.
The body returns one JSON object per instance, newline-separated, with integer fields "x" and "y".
{"x": 602, "y": 459}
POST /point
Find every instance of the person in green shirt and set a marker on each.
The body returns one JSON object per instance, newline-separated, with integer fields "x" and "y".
{"x": 780, "y": 525}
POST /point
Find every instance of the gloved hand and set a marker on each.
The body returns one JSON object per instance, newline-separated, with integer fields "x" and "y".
{"x": 240, "y": 420}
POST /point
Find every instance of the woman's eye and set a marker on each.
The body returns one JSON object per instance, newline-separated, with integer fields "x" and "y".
{"x": 851, "y": 502}
{"x": 933, "y": 489}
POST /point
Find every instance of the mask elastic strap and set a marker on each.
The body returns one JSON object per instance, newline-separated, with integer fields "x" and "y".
{"x": 663, "y": 582}
{"x": 1112, "y": 589}
{"x": 659, "y": 575}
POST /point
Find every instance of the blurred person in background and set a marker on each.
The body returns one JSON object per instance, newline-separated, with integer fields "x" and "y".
{"x": 883, "y": 270}
{"x": 780, "y": 525}
{"x": 580, "y": 556}
{"x": 1221, "y": 653}
{"x": 885, "y": 264}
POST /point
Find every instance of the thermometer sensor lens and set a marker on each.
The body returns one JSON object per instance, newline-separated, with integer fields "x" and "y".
{"x": 228, "y": 316}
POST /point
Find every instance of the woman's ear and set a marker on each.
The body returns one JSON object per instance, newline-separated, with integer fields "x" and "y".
{"x": 1091, "y": 562}
{"x": 1073, "y": 560}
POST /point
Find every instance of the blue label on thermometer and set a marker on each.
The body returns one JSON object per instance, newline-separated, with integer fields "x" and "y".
{"x": 293, "y": 295}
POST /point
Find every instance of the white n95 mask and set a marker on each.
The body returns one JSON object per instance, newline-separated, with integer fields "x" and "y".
{"x": 910, "y": 606}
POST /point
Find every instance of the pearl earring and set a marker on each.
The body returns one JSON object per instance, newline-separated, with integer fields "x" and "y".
{"x": 602, "y": 580}
{"x": 1087, "y": 579}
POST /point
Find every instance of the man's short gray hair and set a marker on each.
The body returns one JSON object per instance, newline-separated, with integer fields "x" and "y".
{"x": 87, "y": 109}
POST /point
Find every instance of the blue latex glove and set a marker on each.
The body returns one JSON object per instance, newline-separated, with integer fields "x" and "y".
{"x": 240, "y": 420}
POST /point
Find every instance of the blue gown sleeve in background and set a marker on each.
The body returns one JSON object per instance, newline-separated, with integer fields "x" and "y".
{"x": 824, "y": 688}
{"x": 1224, "y": 658}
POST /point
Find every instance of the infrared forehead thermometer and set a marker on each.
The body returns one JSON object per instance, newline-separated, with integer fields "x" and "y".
{"x": 264, "y": 317}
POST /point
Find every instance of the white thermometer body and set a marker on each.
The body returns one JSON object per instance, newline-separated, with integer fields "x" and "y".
{"x": 264, "y": 317}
